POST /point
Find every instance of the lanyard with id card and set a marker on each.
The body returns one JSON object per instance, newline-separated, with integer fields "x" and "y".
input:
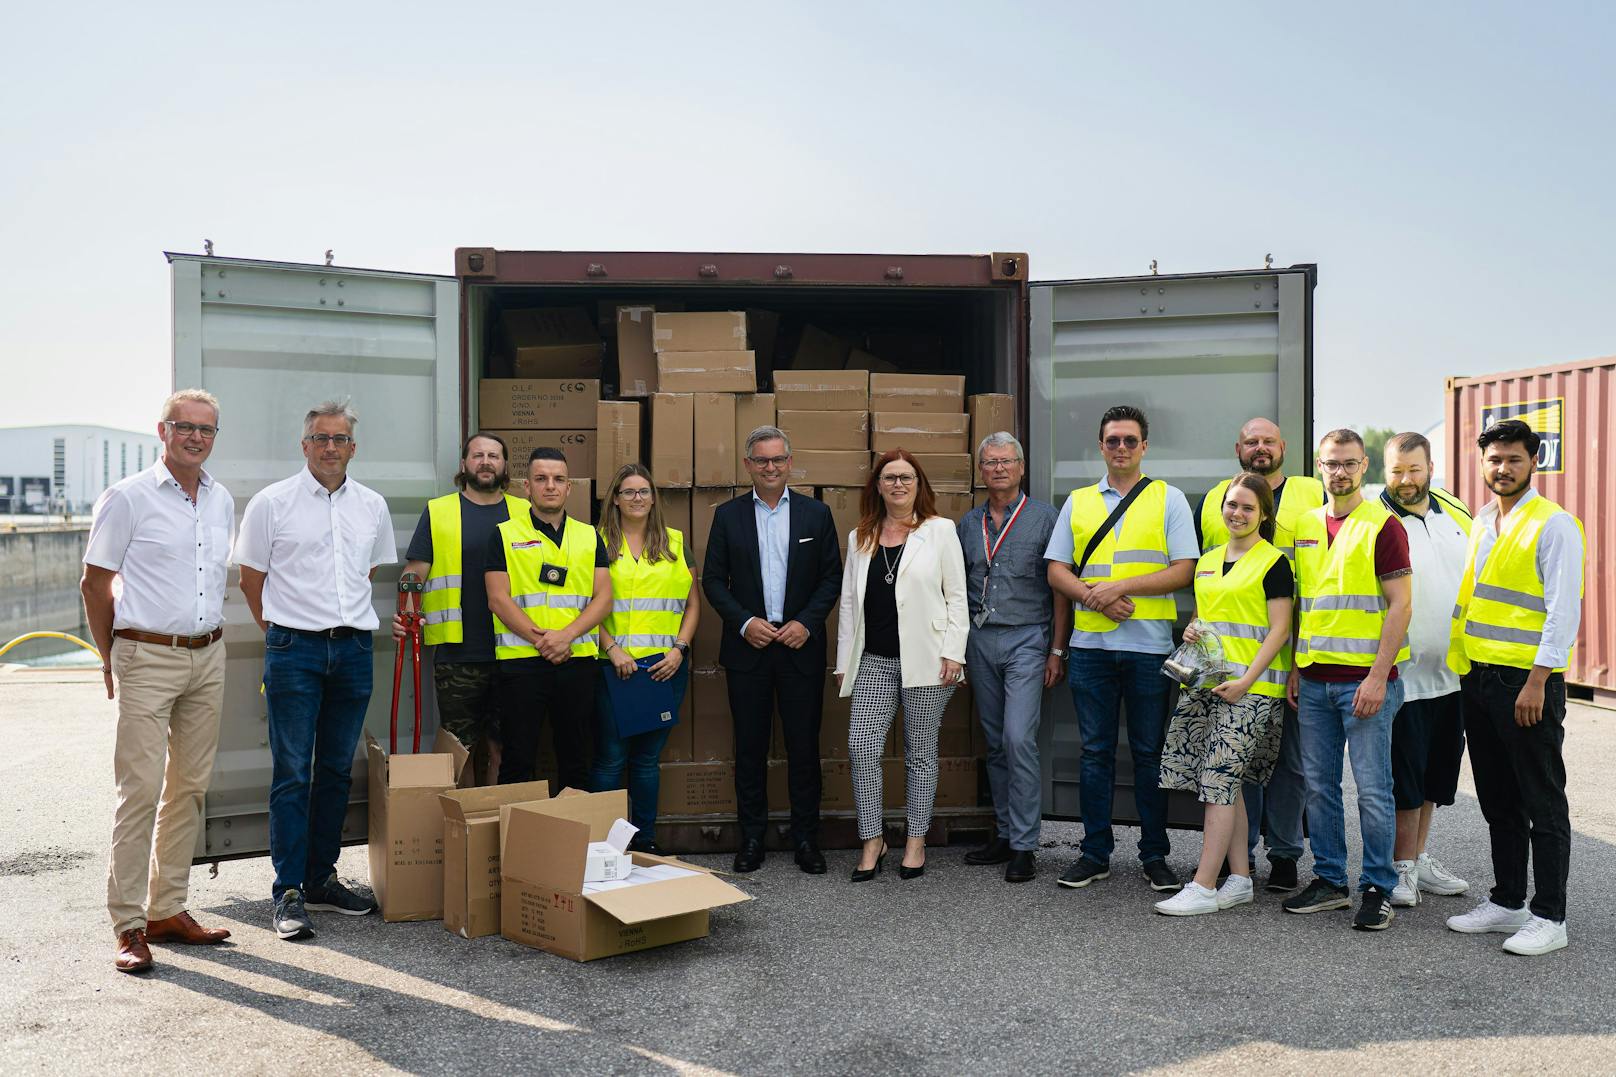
{"x": 991, "y": 549}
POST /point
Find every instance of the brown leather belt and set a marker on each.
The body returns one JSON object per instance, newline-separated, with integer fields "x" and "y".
{"x": 190, "y": 643}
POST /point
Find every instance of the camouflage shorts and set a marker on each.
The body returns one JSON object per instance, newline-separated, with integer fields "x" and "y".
{"x": 466, "y": 700}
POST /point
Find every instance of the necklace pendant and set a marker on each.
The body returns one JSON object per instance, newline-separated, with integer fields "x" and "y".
{"x": 889, "y": 577}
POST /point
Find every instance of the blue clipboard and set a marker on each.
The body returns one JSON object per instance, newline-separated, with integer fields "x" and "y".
{"x": 640, "y": 704}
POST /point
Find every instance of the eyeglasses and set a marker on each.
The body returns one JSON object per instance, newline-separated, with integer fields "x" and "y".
{"x": 1125, "y": 441}
{"x": 1000, "y": 465}
{"x": 185, "y": 430}
{"x": 1348, "y": 466}
{"x": 339, "y": 440}
{"x": 898, "y": 480}
{"x": 634, "y": 495}
{"x": 770, "y": 461}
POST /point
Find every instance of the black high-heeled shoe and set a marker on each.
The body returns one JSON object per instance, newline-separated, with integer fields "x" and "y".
{"x": 907, "y": 872}
{"x": 864, "y": 875}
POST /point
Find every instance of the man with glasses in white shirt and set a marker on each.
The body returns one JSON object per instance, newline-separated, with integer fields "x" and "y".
{"x": 308, "y": 548}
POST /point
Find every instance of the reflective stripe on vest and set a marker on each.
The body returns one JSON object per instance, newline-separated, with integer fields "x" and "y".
{"x": 440, "y": 598}
{"x": 1234, "y": 605}
{"x": 1342, "y": 607}
{"x": 648, "y": 599}
{"x": 1303, "y": 493}
{"x": 550, "y": 607}
{"x": 1137, "y": 547}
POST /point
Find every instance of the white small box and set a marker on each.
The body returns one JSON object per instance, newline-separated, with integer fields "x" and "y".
{"x": 605, "y": 863}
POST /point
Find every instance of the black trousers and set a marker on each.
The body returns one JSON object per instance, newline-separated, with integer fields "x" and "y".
{"x": 1520, "y": 781}
{"x": 528, "y": 690}
{"x": 753, "y": 698}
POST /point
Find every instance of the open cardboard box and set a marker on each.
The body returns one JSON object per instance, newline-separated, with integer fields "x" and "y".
{"x": 543, "y": 902}
{"x": 471, "y": 853}
{"x": 406, "y": 825}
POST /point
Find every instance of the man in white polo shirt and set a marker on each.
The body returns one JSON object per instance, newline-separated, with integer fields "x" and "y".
{"x": 166, "y": 532}
{"x": 308, "y": 548}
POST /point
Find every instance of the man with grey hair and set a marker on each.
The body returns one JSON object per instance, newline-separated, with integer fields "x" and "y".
{"x": 773, "y": 571}
{"x": 308, "y": 548}
{"x": 166, "y": 533}
{"x": 1014, "y": 650}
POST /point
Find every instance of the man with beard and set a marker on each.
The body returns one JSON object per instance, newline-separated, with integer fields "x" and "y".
{"x": 1519, "y": 608}
{"x": 1428, "y": 731}
{"x": 447, "y": 552}
{"x": 1282, "y": 803}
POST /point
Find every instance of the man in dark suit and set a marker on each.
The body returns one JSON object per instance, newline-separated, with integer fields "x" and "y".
{"x": 773, "y": 573}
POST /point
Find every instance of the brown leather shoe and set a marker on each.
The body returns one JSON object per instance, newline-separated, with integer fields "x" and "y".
{"x": 182, "y": 928}
{"x": 133, "y": 956}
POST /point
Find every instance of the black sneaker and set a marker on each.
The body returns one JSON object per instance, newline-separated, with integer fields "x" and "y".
{"x": 1281, "y": 874}
{"x": 1161, "y": 877}
{"x": 1319, "y": 896}
{"x": 1375, "y": 911}
{"x": 1083, "y": 872}
{"x": 332, "y": 896}
{"x": 291, "y": 920}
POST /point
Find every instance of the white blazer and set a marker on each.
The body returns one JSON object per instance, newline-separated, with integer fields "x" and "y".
{"x": 932, "y": 611}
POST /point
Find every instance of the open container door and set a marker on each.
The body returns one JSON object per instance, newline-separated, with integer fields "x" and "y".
{"x": 271, "y": 340}
{"x": 1200, "y": 354}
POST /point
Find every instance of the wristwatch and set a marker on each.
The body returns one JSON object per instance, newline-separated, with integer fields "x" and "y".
{"x": 1058, "y": 653}
{"x": 682, "y": 647}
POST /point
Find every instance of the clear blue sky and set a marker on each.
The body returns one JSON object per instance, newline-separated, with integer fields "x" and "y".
{"x": 1448, "y": 165}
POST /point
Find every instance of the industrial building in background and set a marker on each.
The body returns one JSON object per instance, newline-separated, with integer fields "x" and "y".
{"x": 62, "y": 468}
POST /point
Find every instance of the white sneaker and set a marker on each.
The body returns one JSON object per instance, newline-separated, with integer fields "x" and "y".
{"x": 1193, "y": 900}
{"x": 1539, "y": 936}
{"x": 1236, "y": 890}
{"x": 1489, "y": 917}
{"x": 1407, "y": 891}
{"x": 1436, "y": 879}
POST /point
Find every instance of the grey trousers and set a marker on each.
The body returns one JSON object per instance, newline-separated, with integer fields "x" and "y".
{"x": 1006, "y": 667}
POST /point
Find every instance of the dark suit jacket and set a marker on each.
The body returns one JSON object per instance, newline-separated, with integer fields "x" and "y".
{"x": 732, "y": 578}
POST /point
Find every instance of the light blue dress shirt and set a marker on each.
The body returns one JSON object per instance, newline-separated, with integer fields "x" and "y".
{"x": 774, "y": 547}
{"x": 1559, "y": 557}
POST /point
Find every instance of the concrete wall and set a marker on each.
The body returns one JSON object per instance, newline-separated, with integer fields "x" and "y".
{"x": 39, "y": 581}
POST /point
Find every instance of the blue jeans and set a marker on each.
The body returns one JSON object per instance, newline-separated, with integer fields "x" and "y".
{"x": 1328, "y": 728}
{"x": 317, "y": 690}
{"x": 1282, "y": 803}
{"x": 640, "y": 755}
{"x": 1100, "y": 680}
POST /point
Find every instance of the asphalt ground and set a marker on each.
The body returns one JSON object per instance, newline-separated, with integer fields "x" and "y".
{"x": 954, "y": 972}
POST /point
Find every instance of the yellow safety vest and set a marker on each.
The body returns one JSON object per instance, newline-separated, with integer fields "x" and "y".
{"x": 550, "y": 606}
{"x": 1343, "y": 607}
{"x": 1499, "y": 617}
{"x": 1234, "y": 605}
{"x": 648, "y": 599}
{"x": 1302, "y": 494}
{"x": 1140, "y": 550}
{"x": 440, "y": 601}
{"x": 1453, "y": 507}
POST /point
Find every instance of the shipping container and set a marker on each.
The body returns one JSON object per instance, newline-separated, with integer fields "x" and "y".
{"x": 1200, "y": 352}
{"x": 1571, "y": 408}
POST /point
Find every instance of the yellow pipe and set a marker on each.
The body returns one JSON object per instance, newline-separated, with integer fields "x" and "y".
{"x": 50, "y": 635}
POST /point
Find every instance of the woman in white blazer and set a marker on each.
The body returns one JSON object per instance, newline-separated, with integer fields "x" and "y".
{"x": 901, "y": 636}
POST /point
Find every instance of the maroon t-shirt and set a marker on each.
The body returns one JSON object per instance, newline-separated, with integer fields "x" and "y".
{"x": 1391, "y": 559}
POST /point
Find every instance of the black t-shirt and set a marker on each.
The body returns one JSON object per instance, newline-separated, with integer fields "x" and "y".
{"x": 478, "y": 523}
{"x": 881, "y": 604}
{"x": 496, "y": 562}
{"x": 1277, "y": 582}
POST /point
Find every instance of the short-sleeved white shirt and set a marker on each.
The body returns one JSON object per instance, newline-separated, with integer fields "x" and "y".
{"x": 173, "y": 556}
{"x": 316, "y": 550}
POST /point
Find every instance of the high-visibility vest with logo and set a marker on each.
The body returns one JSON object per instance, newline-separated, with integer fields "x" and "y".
{"x": 1235, "y": 606}
{"x": 1500, "y": 615}
{"x": 648, "y": 599}
{"x": 1139, "y": 549}
{"x": 550, "y": 606}
{"x": 1342, "y": 606}
{"x": 440, "y": 600}
{"x": 1302, "y": 494}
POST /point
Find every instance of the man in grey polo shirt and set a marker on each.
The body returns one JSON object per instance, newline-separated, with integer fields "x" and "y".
{"x": 1014, "y": 618}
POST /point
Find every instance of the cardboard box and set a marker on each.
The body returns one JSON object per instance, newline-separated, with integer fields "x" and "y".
{"x": 676, "y": 513}
{"x": 956, "y": 782}
{"x": 703, "y": 503}
{"x": 822, "y": 390}
{"x": 673, "y": 418}
{"x": 545, "y": 903}
{"x": 528, "y": 404}
{"x": 951, "y": 505}
{"x": 917, "y": 392}
{"x": 947, "y": 472}
{"x": 908, "y": 349}
{"x": 676, "y": 749}
{"x": 706, "y": 372}
{"x": 617, "y": 439}
{"x": 830, "y": 467}
{"x": 552, "y": 342}
{"x": 715, "y": 331}
{"x": 863, "y": 360}
{"x": 990, "y": 413}
{"x": 713, "y": 730}
{"x": 580, "y": 498}
{"x": 834, "y": 718}
{"x": 844, "y": 511}
{"x": 752, "y": 410}
{"x": 636, "y": 355}
{"x": 406, "y": 826}
{"x": 578, "y": 446}
{"x": 709, "y": 632}
{"x": 920, "y": 431}
{"x": 471, "y": 854}
{"x": 825, "y": 429}
{"x": 604, "y": 863}
{"x": 819, "y": 350}
{"x": 714, "y": 430}
{"x": 697, "y": 789}
{"x": 954, "y": 732}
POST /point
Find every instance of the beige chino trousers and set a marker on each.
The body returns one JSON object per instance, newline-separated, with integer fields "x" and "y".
{"x": 169, "y": 702}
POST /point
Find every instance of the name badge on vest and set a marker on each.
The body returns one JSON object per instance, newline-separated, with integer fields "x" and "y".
{"x": 553, "y": 575}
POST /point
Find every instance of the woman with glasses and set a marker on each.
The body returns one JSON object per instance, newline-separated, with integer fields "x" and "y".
{"x": 653, "y": 620}
{"x": 902, "y": 630}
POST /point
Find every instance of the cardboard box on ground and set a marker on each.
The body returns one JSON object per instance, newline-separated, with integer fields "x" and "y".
{"x": 552, "y": 342}
{"x": 405, "y": 846}
{"x": 537, "y": 404}
{"x": 471, "y": 854}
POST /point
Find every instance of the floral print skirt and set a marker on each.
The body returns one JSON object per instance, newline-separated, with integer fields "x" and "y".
{"x": 1213, "y": 746}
